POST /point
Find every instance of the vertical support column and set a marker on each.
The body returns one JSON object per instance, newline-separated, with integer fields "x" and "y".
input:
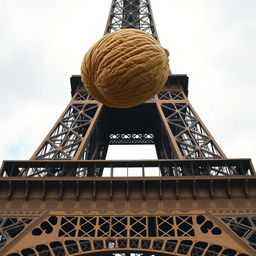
{"x": 86, "y": 137}
{"x": 169, "y": 132}
{"x": 189, "y": 136}
{"x": 70, "y": 134}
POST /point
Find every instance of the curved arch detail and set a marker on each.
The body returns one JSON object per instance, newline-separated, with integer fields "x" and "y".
{"x": 78, "y": 247}
{"x": 176, "y": 235}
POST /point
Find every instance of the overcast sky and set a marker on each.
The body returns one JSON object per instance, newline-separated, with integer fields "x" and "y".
{"x": 42, "y": 43}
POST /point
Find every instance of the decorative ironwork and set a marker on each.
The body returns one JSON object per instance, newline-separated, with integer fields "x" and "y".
{"x": 131, "y": 14}
{"x": 172, "y": 246}
{"x": 128, "y": 235}
{"x": 179, "y": 248}
{"x": 123, "y": 226}
{"x": 129, "y": 138}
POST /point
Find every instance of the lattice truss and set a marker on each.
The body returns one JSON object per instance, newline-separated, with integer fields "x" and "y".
{"x": 245, "y": 227}
{"x": 190, "y": 133}
{"x": 195, "y": 235}
{"x": 131, "y": 14}
{"x": 11, "y": 227}
{"x": 68, "y": 133}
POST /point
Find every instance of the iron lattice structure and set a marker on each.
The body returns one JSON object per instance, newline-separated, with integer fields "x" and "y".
{"x": 197, "y": 203}
{"x": 131, "y": 14}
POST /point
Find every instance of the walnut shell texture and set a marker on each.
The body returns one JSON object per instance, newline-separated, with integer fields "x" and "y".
{"x": 125, "y": 68}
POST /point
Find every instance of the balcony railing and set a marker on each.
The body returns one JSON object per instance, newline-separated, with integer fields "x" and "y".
{"x": 127, "y": 168}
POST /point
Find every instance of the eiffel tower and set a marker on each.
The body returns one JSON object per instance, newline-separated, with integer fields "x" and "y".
{"x": 60, "y": 202}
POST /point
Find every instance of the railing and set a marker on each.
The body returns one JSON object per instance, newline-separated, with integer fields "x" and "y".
{"x": 127, "y": 168}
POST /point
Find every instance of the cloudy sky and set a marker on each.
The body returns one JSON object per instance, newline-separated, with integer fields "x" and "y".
{"x": 42, "y": 44}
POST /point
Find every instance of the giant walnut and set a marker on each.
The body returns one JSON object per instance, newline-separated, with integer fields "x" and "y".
{"x": 125, "y": 68}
